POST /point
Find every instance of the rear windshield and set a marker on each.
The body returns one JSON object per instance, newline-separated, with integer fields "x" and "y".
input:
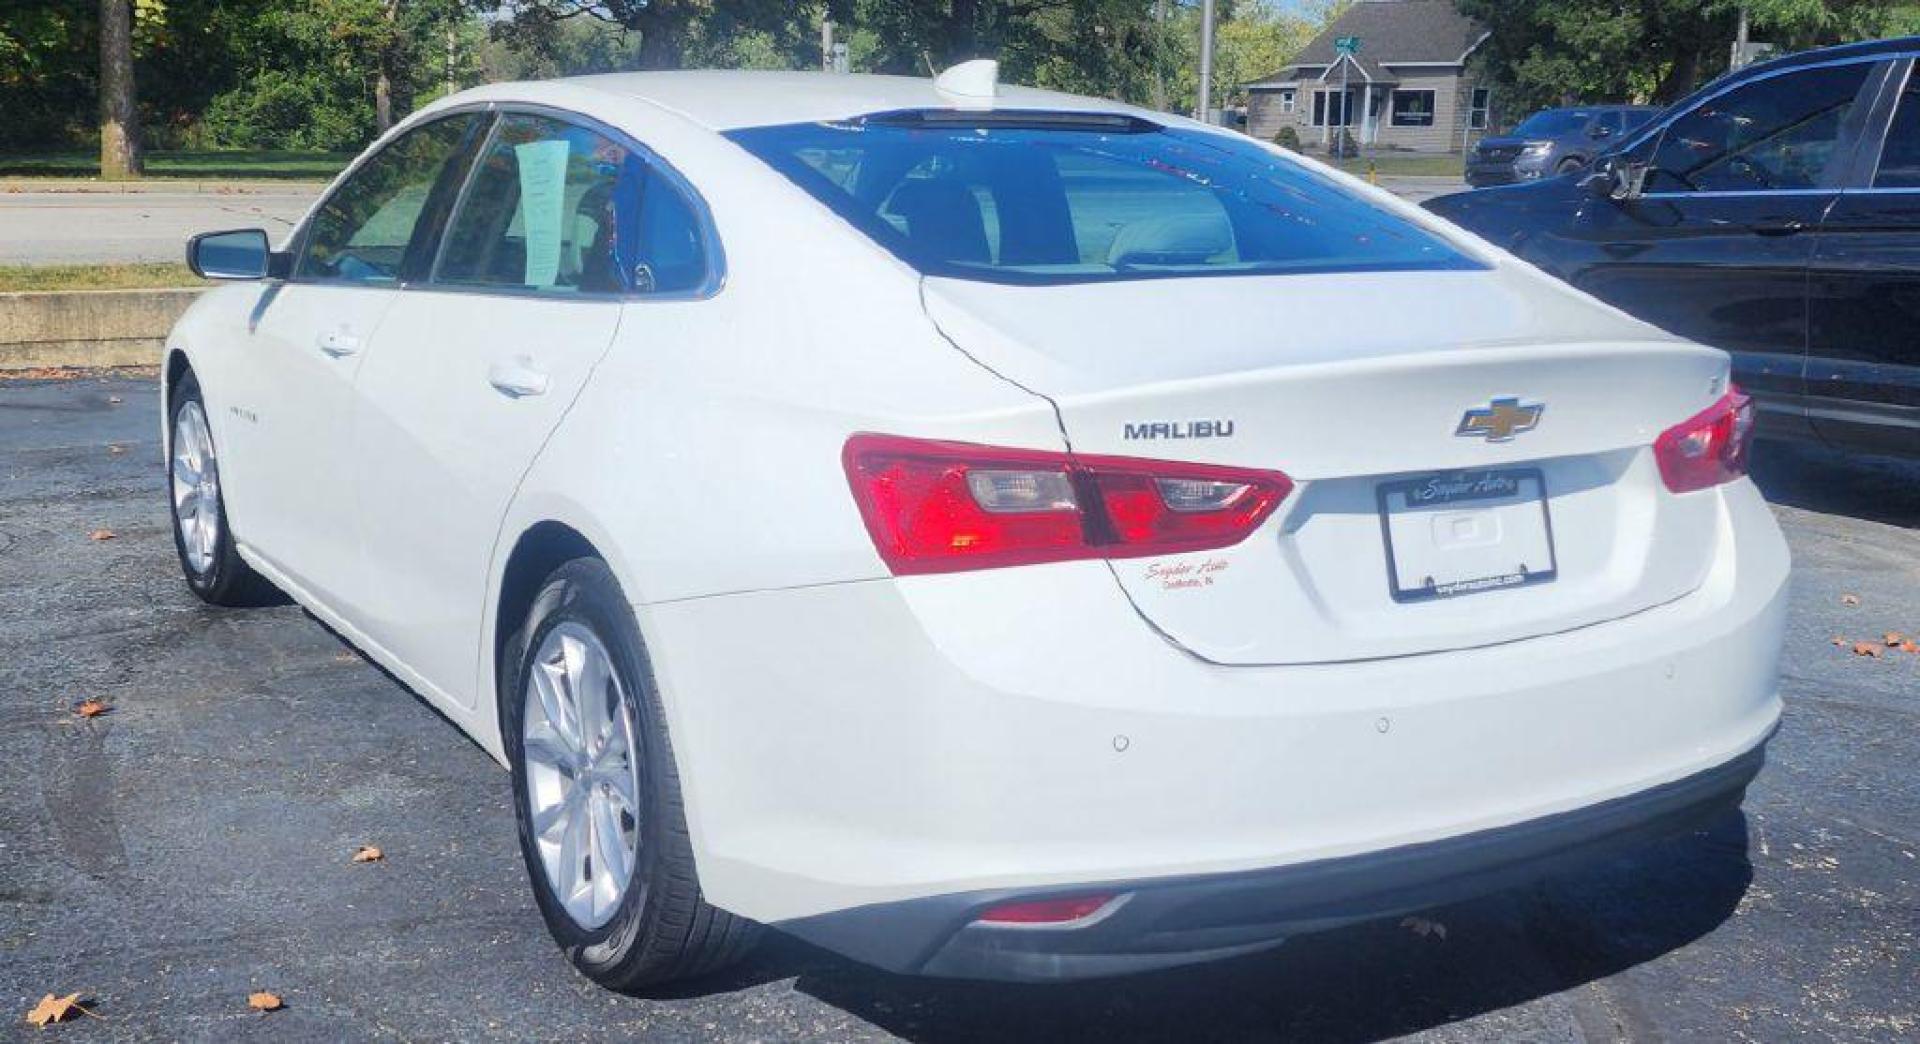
{"x": 1048, "y": 204}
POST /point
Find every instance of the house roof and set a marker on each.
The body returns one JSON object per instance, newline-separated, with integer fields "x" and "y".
{"x": 1391, "y": 32}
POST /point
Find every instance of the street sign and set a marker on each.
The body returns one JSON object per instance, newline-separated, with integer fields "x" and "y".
{"x": 1347, "y": 44}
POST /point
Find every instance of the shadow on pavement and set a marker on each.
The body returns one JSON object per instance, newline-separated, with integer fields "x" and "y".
{"x": 1815, "y": 478}
{"x": 1365, "y": 982}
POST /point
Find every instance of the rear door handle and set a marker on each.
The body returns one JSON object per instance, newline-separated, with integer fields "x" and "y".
{"x": 338, "y": 343}
{"x": 1778, "y": 226}
{"x": 517, "y": 380}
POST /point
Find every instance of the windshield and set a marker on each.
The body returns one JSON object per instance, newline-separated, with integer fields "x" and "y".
{"x": 1552, "y": 123}
{"x": 1047, "y": 200}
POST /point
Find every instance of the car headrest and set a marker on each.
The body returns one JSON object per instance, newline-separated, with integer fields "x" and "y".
{"x": 943, "y": 220}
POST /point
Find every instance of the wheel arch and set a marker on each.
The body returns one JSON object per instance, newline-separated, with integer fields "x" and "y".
{"x": 537, "y": 552}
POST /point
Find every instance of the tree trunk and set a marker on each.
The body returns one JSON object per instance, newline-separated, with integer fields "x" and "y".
{"x": 383, "y": 78}
{"x": 383, "y": 99}
{"x": 120, "y": 153}
{"x": 660, "y": 43}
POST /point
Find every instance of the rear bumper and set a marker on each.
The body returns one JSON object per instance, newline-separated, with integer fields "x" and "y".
{"x": 852, "y": 750}
{"x": 1165, "y": 923}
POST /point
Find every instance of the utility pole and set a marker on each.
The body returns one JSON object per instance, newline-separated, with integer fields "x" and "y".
{"x": 826, "y": 44}
{"x": 1205, "y": 111}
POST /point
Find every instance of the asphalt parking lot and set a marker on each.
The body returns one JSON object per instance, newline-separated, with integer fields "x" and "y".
{"x": 193, "y": 843}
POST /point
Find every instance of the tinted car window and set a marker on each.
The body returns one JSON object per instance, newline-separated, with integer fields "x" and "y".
{"x": 1777, "y": 133}
{"x": 555, "y": 207}
{"x": 1900, "y": 158}
{"x": 362, "y": 232}
{"x": 1025, "y": 203}
{"x": 1553, "y": 123}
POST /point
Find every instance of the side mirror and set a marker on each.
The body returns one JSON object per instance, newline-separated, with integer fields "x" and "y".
{"x": 236, "y": 254}
{"x": 1618, "y": 180}
{"x": 1597, "y": 131}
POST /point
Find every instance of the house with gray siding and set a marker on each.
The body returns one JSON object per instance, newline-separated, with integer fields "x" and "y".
{"x": 1408, "y": 87}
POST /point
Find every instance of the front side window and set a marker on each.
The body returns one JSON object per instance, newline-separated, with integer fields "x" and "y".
{"x": 557, "y": 208}
{"x": 1554, "y": 123}
{"x": 1043, "y": 202}
{"x": 363, "y": 232}
{"x": 1413, "y": 108}
{"x": 1779, "y": 133}
{"x": 1900, "y": 157}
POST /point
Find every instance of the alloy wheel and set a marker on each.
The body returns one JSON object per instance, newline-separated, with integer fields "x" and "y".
{"x": 196, "y": 488}
{"x": 582, "y": 775}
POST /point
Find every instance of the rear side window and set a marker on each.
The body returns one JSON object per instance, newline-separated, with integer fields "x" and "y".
{"x": 1900, "y": 157}
{"x": 1062, "y": 203}
{"x": 1778, "y": 133}
{"x": 558, "y": 208}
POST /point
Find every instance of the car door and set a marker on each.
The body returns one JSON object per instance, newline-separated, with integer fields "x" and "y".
{"x": 1717, "y": 245}
{"x": 470, "y": 373}
{"x": 291, "y": 470}
{"x": 1863, "y": 360}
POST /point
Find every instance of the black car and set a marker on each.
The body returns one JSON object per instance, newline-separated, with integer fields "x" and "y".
{"x": 1552, "y": 141}
{"x": 1774, "y": 213}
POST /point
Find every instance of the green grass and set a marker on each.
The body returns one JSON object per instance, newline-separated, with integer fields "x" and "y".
{"x": 96, "y": 277}
{"x": 1403, "y": 164}
{"x": 209, "y": 164}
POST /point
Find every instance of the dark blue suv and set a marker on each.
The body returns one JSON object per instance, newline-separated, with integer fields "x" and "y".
{"x": 1553, "y": 141}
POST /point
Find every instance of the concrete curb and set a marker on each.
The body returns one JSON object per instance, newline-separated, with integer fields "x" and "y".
{"x": 178, "y": 186}
{"x": 87, "y": 328}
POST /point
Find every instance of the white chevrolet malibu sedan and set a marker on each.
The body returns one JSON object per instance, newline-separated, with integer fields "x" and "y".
{"x": 986, "y": 532}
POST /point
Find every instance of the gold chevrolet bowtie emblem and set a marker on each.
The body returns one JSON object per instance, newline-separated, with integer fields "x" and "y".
{"x": 1501, "y": 420}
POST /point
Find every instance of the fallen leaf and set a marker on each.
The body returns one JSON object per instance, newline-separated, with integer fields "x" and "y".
{"x": 1866, "y": 649}
{"x": 1837, "y": 640}
{"x": 1849, "y": 599}
{"x": 91, "y": 708}
{"x": 1895, "y": 639}
{"x": 56, "y": 1009}
{"x": 1423, "y": 928}
{"x": 368, "y": 854}
{"x": 1910, "y": 646}
{"x": 101, "y": 534}
{"x": 345, "y": 657}
{"x": 113, "y": 400}
{"x": 261, "y": 1000}
{"x": 116, "y": 449}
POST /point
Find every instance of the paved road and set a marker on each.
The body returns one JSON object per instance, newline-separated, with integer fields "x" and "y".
{"x": 193, "y": 844}
{"x": 153, "y": 225}
{"x": 45, "y": 228}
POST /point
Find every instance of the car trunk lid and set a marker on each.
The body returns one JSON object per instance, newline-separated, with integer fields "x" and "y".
{"x": 1356, "y": 386}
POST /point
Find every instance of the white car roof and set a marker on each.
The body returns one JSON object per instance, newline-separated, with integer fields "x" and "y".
{"x": 726, "y": 100}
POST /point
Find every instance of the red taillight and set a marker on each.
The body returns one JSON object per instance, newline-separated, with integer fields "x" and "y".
{"x": 941, "y": 507}
{"x": 1046, "y": 911}
{"x": 1708, "y": 448}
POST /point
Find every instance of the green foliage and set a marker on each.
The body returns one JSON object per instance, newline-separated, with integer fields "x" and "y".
{"x": 1550, "y": 52}
{"x": 277, "y": 109}
{"x": 1288, "y": 138}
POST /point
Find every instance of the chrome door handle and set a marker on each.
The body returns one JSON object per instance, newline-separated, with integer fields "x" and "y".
{"x": 516, "y": 381}
{"x": 339, "y": 344}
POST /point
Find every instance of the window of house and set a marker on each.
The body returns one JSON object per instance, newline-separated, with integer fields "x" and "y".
{"x": 1329, "y": 110}
{"x": 1481, "y": 109}
{"x": 1413, "y": 108}
{"x": 1286, "y": 101}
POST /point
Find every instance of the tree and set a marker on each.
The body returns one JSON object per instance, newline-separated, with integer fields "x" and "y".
{"x": 1553, "y": 52}
{"x": 120, "y": 154}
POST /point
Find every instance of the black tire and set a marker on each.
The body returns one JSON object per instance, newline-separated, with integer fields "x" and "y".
{"x": 227, "y": 579}
{"x": 663, "y": 929}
